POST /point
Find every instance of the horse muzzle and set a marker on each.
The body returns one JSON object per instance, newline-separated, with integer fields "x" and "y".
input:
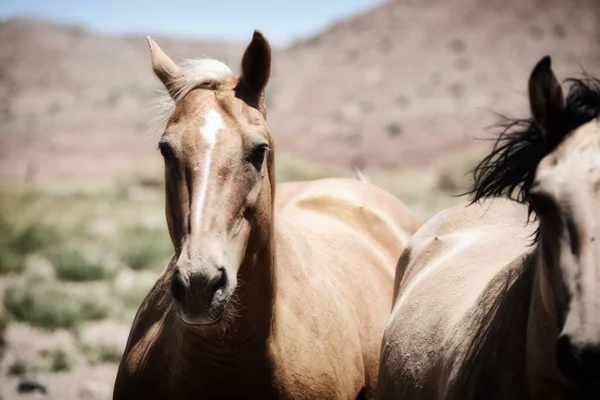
{"x": 200, "y": 297}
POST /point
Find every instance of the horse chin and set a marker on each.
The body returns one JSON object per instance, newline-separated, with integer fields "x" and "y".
{"x": 201, "y": 320}
{"x": 209, "y": 318}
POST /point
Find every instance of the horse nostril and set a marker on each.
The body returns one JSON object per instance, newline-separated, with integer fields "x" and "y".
{"x": 218, "y": 280}
{"x": 178, "y": 286}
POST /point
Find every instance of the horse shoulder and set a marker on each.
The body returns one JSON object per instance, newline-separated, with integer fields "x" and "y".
{"x": 142, "y": 362}
{"x": 446, "y": 266}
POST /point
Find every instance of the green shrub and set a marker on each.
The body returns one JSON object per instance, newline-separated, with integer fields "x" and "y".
{"x": 18, "y": 368}
{"x": 144, "y": 248}
{"x": 3, "y": 325}
{"x": 103, "y": 353}
{"x": 50, "y": 308}
{"x": 7, "y": 231}
{"x": 60, "y": 361}
{"x": 15, "y": 244}
{"x": 34, "y": 237}
{"x": 10, "y": 262}
{"x": 77, "y": 266}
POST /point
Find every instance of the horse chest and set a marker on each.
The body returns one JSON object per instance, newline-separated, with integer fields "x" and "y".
{"x": 306, "y": 367}
{"x": 263, "y": 378}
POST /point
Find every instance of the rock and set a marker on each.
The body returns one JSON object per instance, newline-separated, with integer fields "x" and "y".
{"x": 30, "y": 386}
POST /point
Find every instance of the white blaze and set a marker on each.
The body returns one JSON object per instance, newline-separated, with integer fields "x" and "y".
{"x": 213, "y": 123}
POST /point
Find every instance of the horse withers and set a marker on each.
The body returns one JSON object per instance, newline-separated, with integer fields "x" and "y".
{"x": 266, "y": 296}
{"x": 500, "y": 299}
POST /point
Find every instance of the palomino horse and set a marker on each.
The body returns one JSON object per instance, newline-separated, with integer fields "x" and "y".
{"x": 263, "y": 298}
{"x": 490, "y": 304}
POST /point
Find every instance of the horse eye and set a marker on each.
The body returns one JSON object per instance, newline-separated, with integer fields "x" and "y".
{"x": 258, "y": 156}
{"x": 166, "y": 152}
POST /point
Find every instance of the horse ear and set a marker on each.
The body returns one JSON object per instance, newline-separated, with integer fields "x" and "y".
{"x": 256, "y": 63}
{"x": 164, "y": 68}
{"x": 545, "y": 94}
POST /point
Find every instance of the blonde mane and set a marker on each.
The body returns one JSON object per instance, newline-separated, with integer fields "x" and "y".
{"x": 194, "y": 73}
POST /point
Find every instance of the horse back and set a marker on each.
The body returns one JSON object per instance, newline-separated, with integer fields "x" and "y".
{"x": 338, "y": 241}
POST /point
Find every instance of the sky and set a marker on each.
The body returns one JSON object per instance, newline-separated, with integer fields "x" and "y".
{"x": 282, "y": 21}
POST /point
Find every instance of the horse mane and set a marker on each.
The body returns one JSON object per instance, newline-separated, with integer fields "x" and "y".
{"x": 205, "y": 73}
{"x": 509, "y": 169}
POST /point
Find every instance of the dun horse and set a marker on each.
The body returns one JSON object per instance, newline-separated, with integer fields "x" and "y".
{"x": 492, "y": 304}
{"x": 265, "y": 297}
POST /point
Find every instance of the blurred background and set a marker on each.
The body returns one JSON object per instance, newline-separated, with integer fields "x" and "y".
{"x": 403, "y": 90}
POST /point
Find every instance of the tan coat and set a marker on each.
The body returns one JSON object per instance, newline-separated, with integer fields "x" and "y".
{"x": 269, "y": 295}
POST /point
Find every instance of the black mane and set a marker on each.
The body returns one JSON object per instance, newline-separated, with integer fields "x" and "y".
{"x": 509, "y": 169}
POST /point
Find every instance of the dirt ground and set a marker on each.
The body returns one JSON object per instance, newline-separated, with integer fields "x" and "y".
{"x": 83, "y": 381}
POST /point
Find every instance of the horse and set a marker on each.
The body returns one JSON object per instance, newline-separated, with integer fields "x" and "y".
{"x": 265, "y": 297}
{"x": 499, "y": 297}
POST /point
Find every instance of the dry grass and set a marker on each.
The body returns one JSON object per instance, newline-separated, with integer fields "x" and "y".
{"x": 51, "y": 306}
{"x": 103, "y": 353}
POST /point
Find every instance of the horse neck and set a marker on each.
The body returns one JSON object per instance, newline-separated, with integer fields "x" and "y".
{"x": 256, "y": 293}
{"x": 235, "y": 358}
{"x": 542, "y": 332}
{"x": 230, "y": 363}
{"x": 494, "y": 347}
{"x": 257, "y": 275}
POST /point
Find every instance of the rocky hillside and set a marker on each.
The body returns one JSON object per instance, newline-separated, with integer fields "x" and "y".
{"x": 405, "y": 84}
{"x": 415, "y": 80}
{"x": 55, "y": 69}
{"x": 70, "y": 97}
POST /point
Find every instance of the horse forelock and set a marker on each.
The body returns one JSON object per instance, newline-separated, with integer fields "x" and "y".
{"x": 203, "y": 72}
